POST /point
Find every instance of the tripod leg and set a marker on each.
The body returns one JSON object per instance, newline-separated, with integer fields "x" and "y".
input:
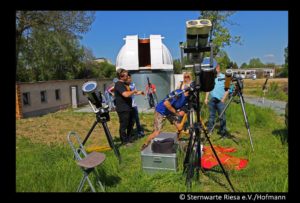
{"x": 220, "y": 116}
{"x": 188, "y": 151}
{"x": 198, "y": 152}
{"x": 110, "y": 141}
{"x": 246, "y": 119}
{"x": 226, "y": 175}
{"x": 89, "y": 133}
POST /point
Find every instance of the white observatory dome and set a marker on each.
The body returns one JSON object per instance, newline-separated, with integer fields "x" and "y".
{"x": 141, "y": 54}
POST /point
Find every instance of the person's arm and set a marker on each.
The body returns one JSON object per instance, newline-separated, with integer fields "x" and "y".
{"x": 121, "y": 89}
{"x": 154, "y": 88}
{"x": 206, "y": 98}
{"x": 111, "y": 90}
{"x": 224, "y": 96}
{"x": 168, "y": 105}
{"x": 129, "y": 93}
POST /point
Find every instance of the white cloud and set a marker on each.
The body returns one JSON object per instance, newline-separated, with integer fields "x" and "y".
{"x": 269, "y": 56}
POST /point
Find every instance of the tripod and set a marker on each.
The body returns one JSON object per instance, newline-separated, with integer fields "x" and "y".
{"x": 102, "y": 116}
{"x": 193, "y": 154}
{"x": 264, "y": 90}
{"x": 237, "y": 91}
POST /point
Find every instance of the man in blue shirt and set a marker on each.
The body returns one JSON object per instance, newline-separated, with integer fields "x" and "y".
{"x": 167, "y": 109}
{"x": 216, "y": 103}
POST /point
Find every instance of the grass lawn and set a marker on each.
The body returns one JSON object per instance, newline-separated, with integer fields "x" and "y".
{"x": 44, "y": 159}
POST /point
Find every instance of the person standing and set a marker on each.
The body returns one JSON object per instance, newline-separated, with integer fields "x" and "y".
{"x": 124, "y": 105}
{"x": 109, "y": 95}
{"x": 151, "y": 94}
{"x": 217, "y": 102}
{"x": 187, "y": 79}
{"x": 136, "y": 119}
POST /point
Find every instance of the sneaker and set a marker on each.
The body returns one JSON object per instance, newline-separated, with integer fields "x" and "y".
{"x": 225, "y": 134}
{"x": 141, "y": 134}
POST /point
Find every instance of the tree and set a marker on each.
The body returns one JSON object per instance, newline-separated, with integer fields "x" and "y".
{"x": 270, "y": 65}
{"x": 177, "y": 66}
{"x": 51, "y": 55}
{"x": 220, "y": 33}
{"x": 244, "y": 65}
{"x": 223, "y": 60}
{"x": 255, "y": 63}
{"x": 47, "y": 42}
{"x": 286, "y": 57}
{"x": 235, "y": 66}
{"x": 104, "y": 70}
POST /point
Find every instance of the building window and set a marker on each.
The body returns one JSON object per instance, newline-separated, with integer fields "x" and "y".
{"x": 57, "y": 94}
{"x": 43, "y": 96}
{"x": 26, "y": 98}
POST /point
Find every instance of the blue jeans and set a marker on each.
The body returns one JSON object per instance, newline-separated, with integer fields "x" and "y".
{"x": 136, "y": 120}
{"x": 109, "y": 100}
{"x": 216, "y": 105}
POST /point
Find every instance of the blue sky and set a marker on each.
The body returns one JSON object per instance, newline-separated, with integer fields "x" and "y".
{"x": 264, "y": 33}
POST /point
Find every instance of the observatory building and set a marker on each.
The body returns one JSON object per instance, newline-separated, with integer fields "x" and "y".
{"x": 147, "y": 58}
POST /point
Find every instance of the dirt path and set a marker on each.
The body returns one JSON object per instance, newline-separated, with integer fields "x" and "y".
{"x": 278, "y": 106}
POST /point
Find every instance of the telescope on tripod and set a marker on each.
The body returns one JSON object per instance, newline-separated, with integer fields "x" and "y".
{"x": 102, "y": 113}
{"x": 205, "y": 73}
{"x": 230, "y": 76}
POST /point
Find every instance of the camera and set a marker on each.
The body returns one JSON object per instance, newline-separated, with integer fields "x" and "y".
{"x": 95, "y": 98}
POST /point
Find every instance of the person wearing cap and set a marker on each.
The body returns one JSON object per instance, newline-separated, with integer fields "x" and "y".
{"x": 217, "y": 101}
{"x": 169, "y": 108}
{"x": 124, "y": 105}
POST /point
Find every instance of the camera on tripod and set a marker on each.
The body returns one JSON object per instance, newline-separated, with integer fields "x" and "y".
{"x": 95, "y": 99}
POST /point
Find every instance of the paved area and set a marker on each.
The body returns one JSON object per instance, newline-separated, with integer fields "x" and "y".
{"x": 88, "y": 108}
{"x": 278, "y": 106}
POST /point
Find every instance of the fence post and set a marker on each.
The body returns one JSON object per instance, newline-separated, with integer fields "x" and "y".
{"x": 19, "y": 113}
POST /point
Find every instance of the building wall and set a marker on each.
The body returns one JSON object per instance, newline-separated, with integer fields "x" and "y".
{"x": 36, "y": 107}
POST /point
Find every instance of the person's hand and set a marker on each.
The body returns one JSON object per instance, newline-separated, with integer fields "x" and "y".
{"x": 181, "y": 113}
{"x": 222, "y": 100}
{"x": 206, "y": 101}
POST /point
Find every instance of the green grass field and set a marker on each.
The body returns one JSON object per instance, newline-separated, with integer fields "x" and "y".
{"x": 44, "y": 159}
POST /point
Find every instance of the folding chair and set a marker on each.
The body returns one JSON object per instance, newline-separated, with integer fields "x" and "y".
{"x": 87, "y": 162}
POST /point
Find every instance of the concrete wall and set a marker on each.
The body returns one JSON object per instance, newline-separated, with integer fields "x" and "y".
{"x": 36, "y": 107}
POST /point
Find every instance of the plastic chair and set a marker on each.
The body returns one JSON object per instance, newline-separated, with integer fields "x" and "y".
{"x": 87, "y": 162}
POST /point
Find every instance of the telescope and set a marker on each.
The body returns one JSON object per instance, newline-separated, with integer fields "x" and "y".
{"x": 197, "y": 32}
{"x": 102, "y": 113}
{"x": 95, "y": 99}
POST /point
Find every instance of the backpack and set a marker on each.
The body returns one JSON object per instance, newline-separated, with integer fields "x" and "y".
{"x": 165, "y": 146}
